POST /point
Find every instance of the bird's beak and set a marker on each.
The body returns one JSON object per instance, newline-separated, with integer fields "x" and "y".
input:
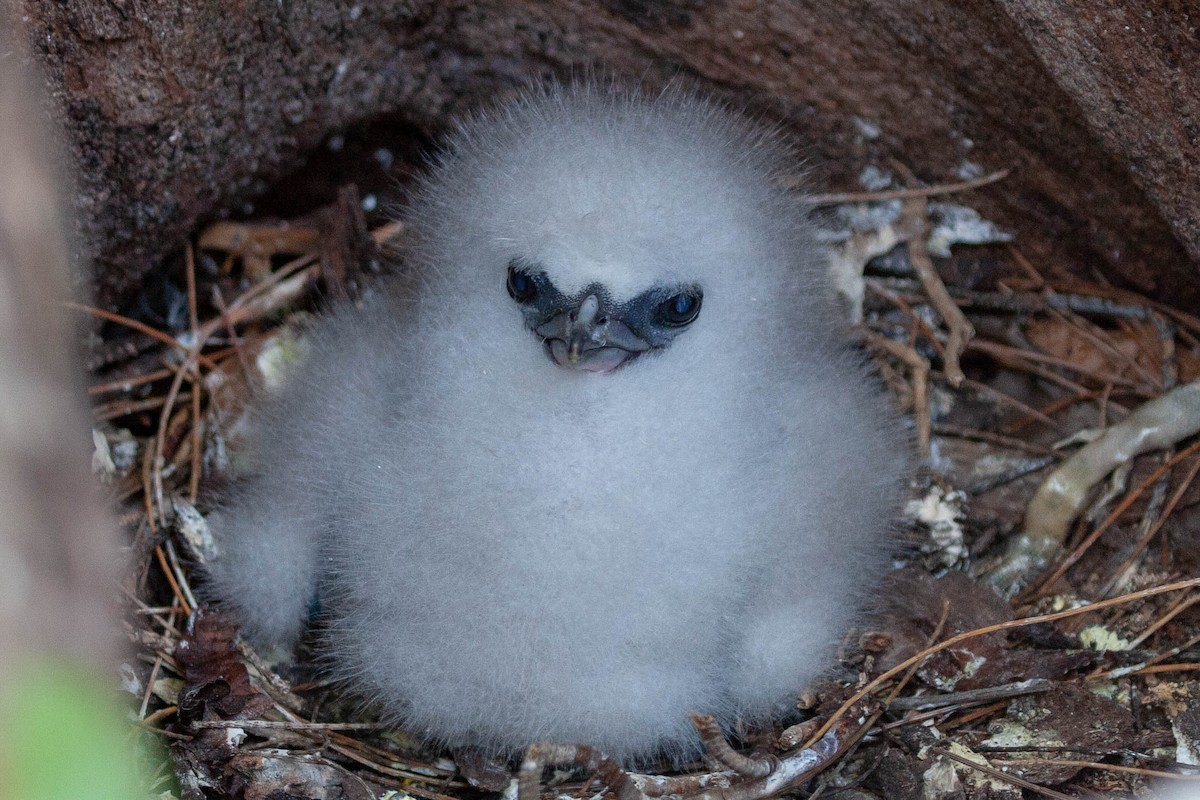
{"x": 587, "y": 338}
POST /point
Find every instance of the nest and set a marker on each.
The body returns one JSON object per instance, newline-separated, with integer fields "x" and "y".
{"x": 1080, "y": 684}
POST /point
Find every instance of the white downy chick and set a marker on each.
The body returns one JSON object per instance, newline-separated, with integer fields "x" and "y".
{"x": 604, "y": 458}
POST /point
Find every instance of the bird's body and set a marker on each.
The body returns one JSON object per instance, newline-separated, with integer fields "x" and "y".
{"x": 646, "y": 479}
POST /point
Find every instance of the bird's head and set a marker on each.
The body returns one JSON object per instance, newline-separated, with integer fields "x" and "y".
{"x": 618, "y": 227}
{"x": 593, "y": 330}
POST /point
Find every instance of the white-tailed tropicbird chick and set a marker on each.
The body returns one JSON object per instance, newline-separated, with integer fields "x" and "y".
{"x": 604, "y": 460}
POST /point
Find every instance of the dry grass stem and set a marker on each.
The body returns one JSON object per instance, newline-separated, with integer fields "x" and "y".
{"x": 839, "y": 198}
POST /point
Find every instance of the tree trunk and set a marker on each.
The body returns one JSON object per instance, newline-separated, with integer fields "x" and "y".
{"x": 57, "y": 547}
{"x": 179, "y": 111}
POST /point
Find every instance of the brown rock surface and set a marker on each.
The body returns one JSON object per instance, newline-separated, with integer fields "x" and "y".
{"x": 180, "y": 111}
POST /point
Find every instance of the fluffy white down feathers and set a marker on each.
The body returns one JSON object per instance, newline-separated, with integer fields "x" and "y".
{"x": 507, "y": 550}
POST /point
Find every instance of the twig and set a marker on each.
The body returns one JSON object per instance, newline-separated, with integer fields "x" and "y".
{"x": 1122, "y": 296}
{"x": 157, "y": 716}
{"x": 959, "y": 432}
{"x": 348, "y": 747}
{"x": 919, "y": 368}
{"x": 1120, "y": 509}
{"x": 239, "y": 352}
{"x": 147, "y": 724}
{"x": 193, "y": 318}
{"x": 1005, "y": 399}
{"x": 1168, "y": 365}
{"x": 892, "y": 700}
{"x": 197, "y": 438}
{"x": 128, "y": 384}
{"x": 123, "y": 408}
{"x": 385, "y": 233}
{"x": 972, "y": 696}
{"x": 250, "y": 304}
{"x": 172, "y": 580}
{"x": 160, "y": 438}
{"x": 1103, "y": 341}
{"x": 1154, "y": 669}
{"x": 149, "y": 686}
{"x": 1019, "y": 470}
{"x": 409, "y": 778}
{"x": 156, "y": 615}
{"x": 917, "y": 323}
{"x": 997, "y": 349}
{"x": 1027, "y": 266}
{"x": 1142, "y": 543}
{"x": 933, "y": 637}
{"x": 914, "y": 217}
{"x": 1027, "y": 302}
{"x": 1003, "y": 776}
{"x": 1149, "y": 664}
{"x": 1184, "y": 604}
{"x": 971, "y": 716}
{"x": 1066, "y": 762}
{"x": 838, "y": 198}
{"x": 166, "y": 339}
{"x": 173, "y": 560}
{"x": 858, "y": 696}
{"x": 1020, "y": 363}
{"x": 288, "y": 725}
{"x": 1052, "y": 407}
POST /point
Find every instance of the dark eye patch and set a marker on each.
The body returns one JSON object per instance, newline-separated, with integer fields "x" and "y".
{"x": 655, "y": 316}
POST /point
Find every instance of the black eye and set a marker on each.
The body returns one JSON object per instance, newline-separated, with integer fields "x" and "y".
{"x": 521, "y": 286}
{"x": 679, "y": 309}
